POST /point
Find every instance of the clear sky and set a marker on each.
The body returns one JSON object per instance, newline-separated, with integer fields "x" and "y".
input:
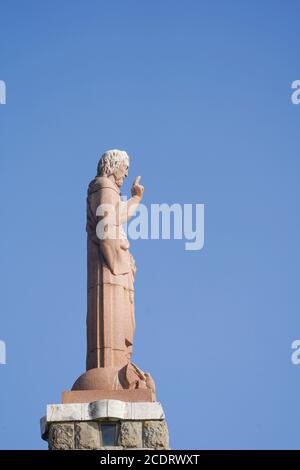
{"x": 198, "y": 93}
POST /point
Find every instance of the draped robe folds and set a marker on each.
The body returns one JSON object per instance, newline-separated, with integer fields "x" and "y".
{"x": 110, "y": 291}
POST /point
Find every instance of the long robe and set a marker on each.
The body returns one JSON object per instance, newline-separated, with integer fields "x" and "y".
{"x": 110, "y": 291}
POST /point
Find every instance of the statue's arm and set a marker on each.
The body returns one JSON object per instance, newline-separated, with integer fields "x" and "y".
{"x": 128, "y": 209}
{"x": 114, "y": 257}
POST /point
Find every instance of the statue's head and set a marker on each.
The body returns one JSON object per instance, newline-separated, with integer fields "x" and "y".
{"x": 114, "y": 163}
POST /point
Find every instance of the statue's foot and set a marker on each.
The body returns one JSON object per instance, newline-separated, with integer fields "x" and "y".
{"x": 136, "y": 378}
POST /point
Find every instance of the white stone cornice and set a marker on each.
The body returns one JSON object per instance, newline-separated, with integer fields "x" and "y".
{"x": 101, "y": 410}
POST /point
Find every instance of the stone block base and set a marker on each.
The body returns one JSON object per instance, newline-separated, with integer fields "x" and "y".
{"x": 88, "y": 396}
{"x": 105, "y": 424}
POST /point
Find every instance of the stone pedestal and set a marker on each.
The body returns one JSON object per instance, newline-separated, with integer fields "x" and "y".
{"x": 105, "y": 424}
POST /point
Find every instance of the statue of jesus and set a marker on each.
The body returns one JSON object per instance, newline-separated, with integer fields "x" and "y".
{"x": 110, "y": 281}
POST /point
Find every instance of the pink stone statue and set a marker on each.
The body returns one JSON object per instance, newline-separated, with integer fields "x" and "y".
{"x": 110, "y": 284}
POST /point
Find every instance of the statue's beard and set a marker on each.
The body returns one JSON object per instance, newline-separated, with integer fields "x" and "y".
{"x": 119, "y": 182}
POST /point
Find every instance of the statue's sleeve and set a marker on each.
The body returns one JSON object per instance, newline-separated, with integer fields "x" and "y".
{"x": 115, "y": 256}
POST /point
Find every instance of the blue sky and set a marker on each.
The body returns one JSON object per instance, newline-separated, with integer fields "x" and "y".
{"x": 198, "y": 93}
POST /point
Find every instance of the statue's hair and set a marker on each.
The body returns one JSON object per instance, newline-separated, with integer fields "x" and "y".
{"x": 110, "y": 162}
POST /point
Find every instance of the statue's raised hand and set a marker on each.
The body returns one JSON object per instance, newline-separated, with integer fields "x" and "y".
{"x": 137, "y": 189}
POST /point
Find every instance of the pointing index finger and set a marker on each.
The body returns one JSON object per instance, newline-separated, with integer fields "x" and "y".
{"x": 137, "y": 180}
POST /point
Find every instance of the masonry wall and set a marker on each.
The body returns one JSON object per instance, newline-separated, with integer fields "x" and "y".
{"x": 92, "y": 435}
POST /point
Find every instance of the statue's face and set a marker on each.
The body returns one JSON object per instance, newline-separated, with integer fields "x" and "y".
{"x": 120, "y": 174}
